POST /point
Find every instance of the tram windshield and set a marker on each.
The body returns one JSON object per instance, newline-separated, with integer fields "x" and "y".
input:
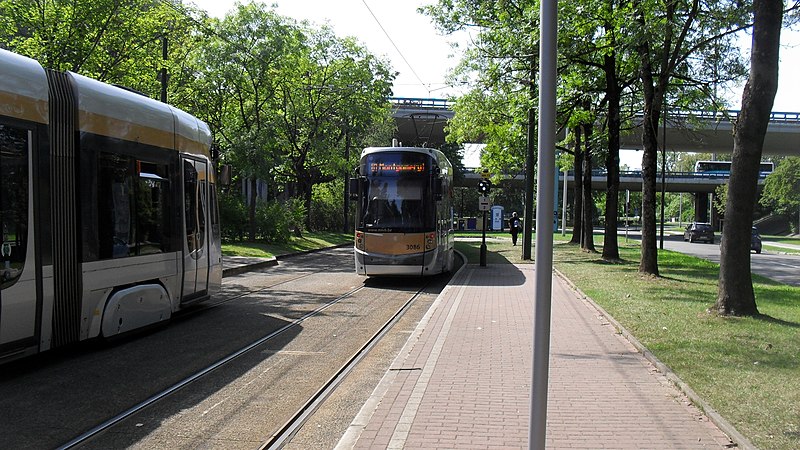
{"x": 396, "y": 194}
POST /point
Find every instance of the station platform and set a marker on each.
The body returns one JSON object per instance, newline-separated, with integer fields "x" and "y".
{"x": 463, "y": 378}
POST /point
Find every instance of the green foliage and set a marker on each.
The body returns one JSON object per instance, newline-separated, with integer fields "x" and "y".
{"x": 273, "y": 222}
{"x": 680, "y": 205}
{"x": 782, "y": 188}
{"x": 295, "y": 210}
{"x": 326, "y": 205}
{"x": 232, "y": 215}
{"x": 112, "y": 41}
{"x": 721, "y": 198}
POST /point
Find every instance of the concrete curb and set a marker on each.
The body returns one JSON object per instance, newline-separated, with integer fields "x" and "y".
{"x": 231, "y": 271}
{"x": 713, "y": 415}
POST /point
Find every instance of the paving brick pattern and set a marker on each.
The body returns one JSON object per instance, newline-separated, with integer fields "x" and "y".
{"x": 463, "y": 380}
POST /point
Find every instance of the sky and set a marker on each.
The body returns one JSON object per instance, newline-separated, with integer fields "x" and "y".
{"x": 422, "y": 56}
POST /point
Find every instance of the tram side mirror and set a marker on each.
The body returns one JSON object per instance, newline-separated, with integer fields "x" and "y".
{"x": 438, "y": 188}
{"x": 355, "y": 184}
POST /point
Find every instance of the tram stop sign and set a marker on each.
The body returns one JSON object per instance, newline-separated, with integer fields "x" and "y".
{"x": 483, "y": 203}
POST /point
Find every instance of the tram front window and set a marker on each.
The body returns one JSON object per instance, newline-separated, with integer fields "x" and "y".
{"x": 395, "y": 203}
{"x": 395, "y": 198}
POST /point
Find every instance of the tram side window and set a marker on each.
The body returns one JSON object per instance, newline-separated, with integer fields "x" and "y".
{"x": 114, "y": 196}
{"x": 13, "y": 203}
{"x": 133, "y": 201}
{"x": 152, "y": 219}
{"x": 195, "y": 203}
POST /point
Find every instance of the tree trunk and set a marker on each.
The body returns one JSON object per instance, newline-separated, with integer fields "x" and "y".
{"x": 587, "y": 241}
{"x": 735, "y": 294}
{"x": 652, "y": 112}
{"x": 577, "y": 189}
{"x": 610, "y": 242}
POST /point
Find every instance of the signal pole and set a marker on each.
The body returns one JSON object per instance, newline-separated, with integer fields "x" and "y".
{"x": 484, "y": 186}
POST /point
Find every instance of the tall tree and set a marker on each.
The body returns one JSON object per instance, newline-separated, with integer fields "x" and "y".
{"x": 667, "y": 34}
{"x": 332, "y": 93}
{"x": 238, "y": 86}
{"x": 735, "y": 295}
{"x": 606, "y": 67}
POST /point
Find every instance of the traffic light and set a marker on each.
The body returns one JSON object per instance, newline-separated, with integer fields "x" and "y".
{"x": 484, "y": 186}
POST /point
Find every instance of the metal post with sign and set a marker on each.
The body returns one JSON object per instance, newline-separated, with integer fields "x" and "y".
{"x": 484, "y": 185}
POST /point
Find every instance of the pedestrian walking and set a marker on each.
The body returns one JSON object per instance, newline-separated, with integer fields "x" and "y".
{"x": 514, "y": 225}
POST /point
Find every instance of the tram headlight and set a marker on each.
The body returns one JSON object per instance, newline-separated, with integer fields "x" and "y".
{"x": 430, "y": 241}
{"x": 359, "y": 240}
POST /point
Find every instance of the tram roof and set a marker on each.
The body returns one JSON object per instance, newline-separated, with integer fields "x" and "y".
{"x": 23, "y": 88}
{"x": 436, "y": 153}
{"x": 115, "y": 112}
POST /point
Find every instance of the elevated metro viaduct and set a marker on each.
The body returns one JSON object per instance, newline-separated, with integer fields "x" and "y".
{"x": 421, "y": 122}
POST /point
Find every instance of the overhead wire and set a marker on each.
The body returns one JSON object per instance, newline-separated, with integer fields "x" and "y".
{"x": 395, "y": 46}
{"x": 205, "y": 29}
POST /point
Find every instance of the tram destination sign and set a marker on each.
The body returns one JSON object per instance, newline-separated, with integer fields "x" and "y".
{"x": 392, "y": 167}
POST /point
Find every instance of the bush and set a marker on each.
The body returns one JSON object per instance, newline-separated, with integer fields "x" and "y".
{"x": 295, "y": 212}
{"x": 272, "y": 222}
{"x": 232, "y": 216}
{"x": 326, "y": 206}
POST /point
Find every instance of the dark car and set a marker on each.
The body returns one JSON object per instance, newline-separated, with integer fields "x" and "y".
{"x": 755, "y": 240}
{"x": 698, "y": 231}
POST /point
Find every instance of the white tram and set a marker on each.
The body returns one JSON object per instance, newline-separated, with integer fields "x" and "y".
{"x": 404, "y": 219}
{"x": 107, "y": 209}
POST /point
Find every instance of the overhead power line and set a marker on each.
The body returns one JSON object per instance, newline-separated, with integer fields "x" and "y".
{"x": 395, "y": 46}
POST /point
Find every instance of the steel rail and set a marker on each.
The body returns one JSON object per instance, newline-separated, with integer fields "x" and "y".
{"x": 197, "y": 375}
{"x": 281, "y": 437}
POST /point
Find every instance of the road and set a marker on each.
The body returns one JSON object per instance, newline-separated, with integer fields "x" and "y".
{"x": 779, "y": 267}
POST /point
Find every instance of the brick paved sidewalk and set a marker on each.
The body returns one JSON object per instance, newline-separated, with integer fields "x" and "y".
{"x": 463, "y": 379}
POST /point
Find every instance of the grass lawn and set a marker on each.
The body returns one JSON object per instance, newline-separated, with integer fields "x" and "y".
{"x": 772, "y": 248}
{"x": 748, "y": 369}
{"x": 309, "y": 241}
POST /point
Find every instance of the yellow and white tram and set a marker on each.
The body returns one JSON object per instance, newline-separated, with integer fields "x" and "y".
{"x": 404, "y": 219}
{"x": 107, "y": 209}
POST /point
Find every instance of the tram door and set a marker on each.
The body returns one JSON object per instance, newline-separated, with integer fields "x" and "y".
{"x": 195, "y": 243}
{"x": 17, "y": 269}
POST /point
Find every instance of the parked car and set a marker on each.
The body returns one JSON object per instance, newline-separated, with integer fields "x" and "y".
{"x": 755, "y": 240}
{"x": 698, "y": 231}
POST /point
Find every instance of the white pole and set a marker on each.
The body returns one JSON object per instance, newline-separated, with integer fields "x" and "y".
{"x": 627, "y": 213}
{"x": 544, "y": 222}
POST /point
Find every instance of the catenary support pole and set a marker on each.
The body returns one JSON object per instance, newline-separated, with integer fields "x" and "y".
{"x": 544, "y": 222}
{"x": 527, "y": 222}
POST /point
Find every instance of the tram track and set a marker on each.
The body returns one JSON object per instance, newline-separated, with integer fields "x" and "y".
{"x": 280, "y": 438}
{"x": 108, "y": 424}
{"x": 213, "y": 303}
{"x": 236, "y": 377}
